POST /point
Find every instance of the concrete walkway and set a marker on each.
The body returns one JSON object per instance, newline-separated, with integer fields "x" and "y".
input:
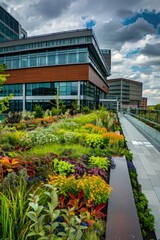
{"x": 146, "y": 159}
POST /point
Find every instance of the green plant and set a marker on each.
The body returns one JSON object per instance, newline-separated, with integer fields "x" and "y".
{"x": 146, "y": 219}
{"x": 55, "y": 111}
{"x": 86, "y": 110}
{"x": 45, "y": 219}
{"x": 95, "y": 231}
{"x": 94, "y": 140}
{"x": 13, "y": 117}
{"x": 14, "y": 207}
{"x": 84, "y": 119}
{"x": 74, "y": 107}
{"x": 40, "y": 215}
{"x": 38, "y": 111}
{"x": 63, "y": 167}
{"x": 127, "y": 153}
{"x": 38, "y": 137}
{"x": 102, "y": 162}
{"x": 4, "y": 102}
{"x": 72, "y": 226}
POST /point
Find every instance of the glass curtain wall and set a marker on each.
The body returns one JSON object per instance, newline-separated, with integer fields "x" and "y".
{"x": 47, "y": 58}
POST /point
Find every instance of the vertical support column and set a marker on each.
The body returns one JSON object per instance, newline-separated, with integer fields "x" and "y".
{"x": 79, "y": 94}
{"x": 24, "y": 97}
{"x": 121, "y": 95}
{"x": 117, "y": 105}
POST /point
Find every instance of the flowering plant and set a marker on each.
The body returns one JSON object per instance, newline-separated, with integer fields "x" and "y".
{"x": 95, "y": 188}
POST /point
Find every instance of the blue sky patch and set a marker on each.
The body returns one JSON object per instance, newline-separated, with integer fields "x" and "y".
{"x": 144, "y": 69}
{"x": 133, "y": 52}
{"x": 151, "y": 17}
{"x": 89, "y": 23}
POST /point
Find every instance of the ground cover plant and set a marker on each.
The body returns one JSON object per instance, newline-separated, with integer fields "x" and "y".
{"x": 57, "y": 175}
{"x": 52, "y": 174}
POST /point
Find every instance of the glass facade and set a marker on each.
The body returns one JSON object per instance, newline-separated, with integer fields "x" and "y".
{"x": 30, "y": 104}
{"x": 46, "y": 58}
{"x": 128, "y": 92}
{"x": 16, "y": 105}
{"x": 15, "y": 89}
{"x": 69, "y": 90}
{"x": 9, "y": 26}
{"x": 47, "y": 44}
{"x": 39, "y": 89}
{"x": 48, "y": 89}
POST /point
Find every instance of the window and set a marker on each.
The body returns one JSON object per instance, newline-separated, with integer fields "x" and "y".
{"x": 33, "y": 61}
{"x": 42, "y": 60}
{"x": 82, "y": 57}
{"x": 24, "y": 61}
{"x": 72, "y": 58}
{"x": 51, "y": 59}
{"x": 62, "y": 59}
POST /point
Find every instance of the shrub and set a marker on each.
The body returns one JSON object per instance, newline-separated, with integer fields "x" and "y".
{"x": 102, "y": 162}
{"x": 13, "y": 117}
{"x": 113, "y": 138}
{"x": 63, "y": 167}
{"x": 55, "y": 111}
{"x": 95, "y": 188}
{"x": 86, "y": 110}
{"x": 38, "y": 137}
{"x": 94, "y": 140}
{"x": 38, "y": 112}
{"x": 45, "y": 219}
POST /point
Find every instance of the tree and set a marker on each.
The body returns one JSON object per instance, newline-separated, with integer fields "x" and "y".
{"x": 157, "y": 107}
{"x": 4, "y": 103}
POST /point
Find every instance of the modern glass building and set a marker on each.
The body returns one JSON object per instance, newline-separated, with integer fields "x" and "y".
{"x": 68, "y": 62}
{"x": 127, "y": 92}
{"x": 10, "y": 28}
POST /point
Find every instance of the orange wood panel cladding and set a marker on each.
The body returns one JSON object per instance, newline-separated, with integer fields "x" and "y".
{"x": 55, "y": 74}
{"x": 49, "y": 74}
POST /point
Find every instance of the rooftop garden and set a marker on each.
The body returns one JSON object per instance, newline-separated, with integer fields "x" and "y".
{"x": 54, "y": 175}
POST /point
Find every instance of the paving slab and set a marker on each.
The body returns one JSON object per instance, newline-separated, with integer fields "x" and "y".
{"x": 146, "y": 158}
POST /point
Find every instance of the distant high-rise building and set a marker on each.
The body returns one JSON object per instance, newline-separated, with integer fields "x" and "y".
{"x": 10, "y": 29}
{"x": 127, "y": 92}
{"x": 143, "y": 103}
{"x": 106, "y": 53}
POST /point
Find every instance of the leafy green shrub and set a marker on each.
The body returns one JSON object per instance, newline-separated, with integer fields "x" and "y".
{"x": 86, "y": 110}
{"x": 95, "y": 231}
{"x": 146, "y": 219}
{"x": 4, "y": 139}
{"x": 38, "y": 137}
{"x": 13, "y": 117}
{"x": 84, "y": 119}
{"x": 45, "y": 223}
{"x": 102, "y": 162}
{"x": 94, "y": 140}
{"x": 69, "y": 137}
{"x": 38, "y": 112}
{"x": 27, "y": 115}
{"x": 62, "y": 167}
{"x": 55, "y": 111}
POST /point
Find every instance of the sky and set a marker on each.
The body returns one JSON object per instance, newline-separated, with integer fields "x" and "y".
{"x": 130, "y": 28}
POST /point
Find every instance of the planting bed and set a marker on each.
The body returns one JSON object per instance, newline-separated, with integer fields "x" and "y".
{"x": 54, "y": 179}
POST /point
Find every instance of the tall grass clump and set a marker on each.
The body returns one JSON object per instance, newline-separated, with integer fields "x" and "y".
{"x": 14, "y": 207}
